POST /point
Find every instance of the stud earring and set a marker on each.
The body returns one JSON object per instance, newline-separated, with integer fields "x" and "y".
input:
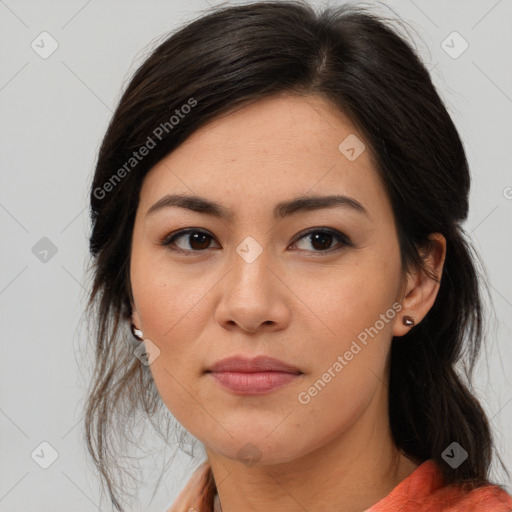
{"x": 137, "y": 333}
{"x": 408, "y": 320}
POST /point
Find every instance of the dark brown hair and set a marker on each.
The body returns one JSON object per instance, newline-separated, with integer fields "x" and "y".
{"x": 236, "y": 55}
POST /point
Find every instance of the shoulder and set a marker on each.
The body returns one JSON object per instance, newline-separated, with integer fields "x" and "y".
{"x": 198, "y": 492}
{"x": 423, "y": 491}
{"x": 490, "y": 498}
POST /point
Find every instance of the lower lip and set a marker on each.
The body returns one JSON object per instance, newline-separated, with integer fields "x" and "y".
{"x": 254, "y": 383}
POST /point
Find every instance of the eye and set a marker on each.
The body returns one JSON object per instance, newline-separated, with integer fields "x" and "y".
{"x": 322, "y": 238}
{"x": 196, "y": 239}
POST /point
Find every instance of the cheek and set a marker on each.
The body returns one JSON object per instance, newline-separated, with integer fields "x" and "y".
{"x": 346, "y": 298}
{"x": 349, "y": 364}
{"x": 353, "y": 306}
{"x": 171, "y": 309}
{"x": 332, "y": 406}
{"x": 168, "y": 299}
{"x": 173, "y": 316}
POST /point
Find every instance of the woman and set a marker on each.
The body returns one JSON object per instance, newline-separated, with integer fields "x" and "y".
{"x": 277, "y": 210}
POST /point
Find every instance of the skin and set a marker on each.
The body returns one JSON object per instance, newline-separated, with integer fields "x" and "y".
{"x": 296, "y": 302}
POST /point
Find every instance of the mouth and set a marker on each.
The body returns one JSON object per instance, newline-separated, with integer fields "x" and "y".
{"x": 255, "y": 376}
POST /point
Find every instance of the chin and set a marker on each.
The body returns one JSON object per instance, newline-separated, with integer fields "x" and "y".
{"x": 258, "y": 447}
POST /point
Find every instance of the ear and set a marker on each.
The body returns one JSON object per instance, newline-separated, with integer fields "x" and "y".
{"x": 420, "y": 289}
{"x": 135, "y": 317}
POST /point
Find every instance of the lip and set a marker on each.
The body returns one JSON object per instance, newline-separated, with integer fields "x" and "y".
{"x": 255, "y": 364}
{"x": 254, "y": 376}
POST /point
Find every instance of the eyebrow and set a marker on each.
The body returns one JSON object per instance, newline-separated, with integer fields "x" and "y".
{"x": 300, "y": 204}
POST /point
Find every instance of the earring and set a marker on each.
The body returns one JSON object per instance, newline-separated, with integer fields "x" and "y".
{"x": 408, "y": 320}
{"x": 137, "y": 333}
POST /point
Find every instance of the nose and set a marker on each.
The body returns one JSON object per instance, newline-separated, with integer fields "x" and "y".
{"x": 253, "y": 297}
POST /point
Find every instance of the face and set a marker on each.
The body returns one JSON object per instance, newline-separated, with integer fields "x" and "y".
{"x": 313, "y": 285}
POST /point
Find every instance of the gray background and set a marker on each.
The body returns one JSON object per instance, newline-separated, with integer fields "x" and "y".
{"x": 54, "y": 113}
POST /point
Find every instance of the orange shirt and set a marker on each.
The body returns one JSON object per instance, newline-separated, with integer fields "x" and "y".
{"x": 421, "y": 491}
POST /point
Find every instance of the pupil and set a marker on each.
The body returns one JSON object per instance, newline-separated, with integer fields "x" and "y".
{"x": 322, "y": 237}
{"x": 197, "y": 237}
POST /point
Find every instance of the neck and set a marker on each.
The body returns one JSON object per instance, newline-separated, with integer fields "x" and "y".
{"x": 350, "y": 473}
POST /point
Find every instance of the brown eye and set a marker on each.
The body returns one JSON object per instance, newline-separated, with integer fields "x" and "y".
{"x": 195, "y": 239}
{"x": 321, "y": 239}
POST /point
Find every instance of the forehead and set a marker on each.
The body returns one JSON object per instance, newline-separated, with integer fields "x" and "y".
{"x": 278, "y": 147}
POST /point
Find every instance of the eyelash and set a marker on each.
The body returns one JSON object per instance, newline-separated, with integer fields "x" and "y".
{"x": 169, "y": 240}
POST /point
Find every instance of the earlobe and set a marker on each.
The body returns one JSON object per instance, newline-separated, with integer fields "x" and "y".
{"x": 421, "y": 289}
{"x": 135, "y": 325}
{"x": 137, "y": 333}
